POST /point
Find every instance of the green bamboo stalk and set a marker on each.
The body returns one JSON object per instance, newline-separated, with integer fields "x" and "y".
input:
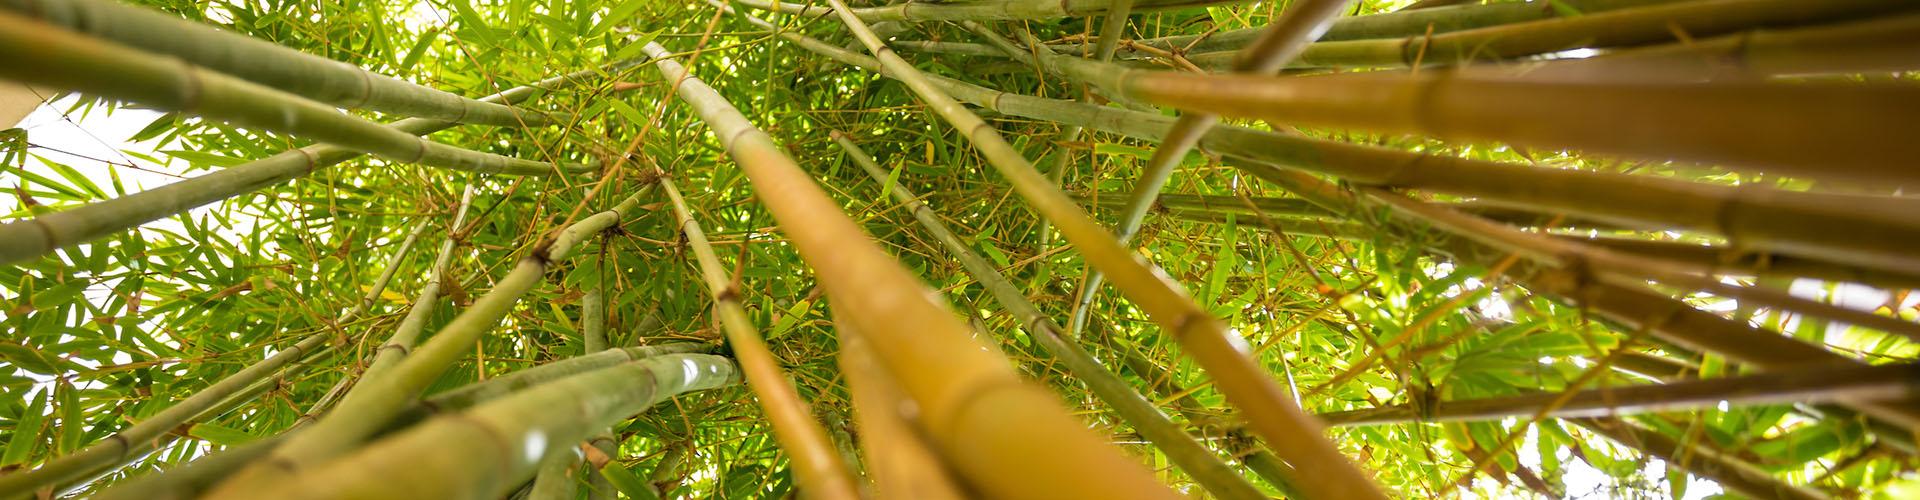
{"x": 1200, "y": 463}
{"x": 593, "y": 332}
{"x": 479, "y": 393}
{"x": 1404, "y": 23}
{"x": 1283, "y": 40}
{"x": 46, "y": 55}
{"x": 1866, "y": 46}
{"x": 135, "y": 440}
{"x": 1615, "y": 28}
{"x": 1323, "y": 471}
{"x": 375, "y": 401}
{"x": 1739, "y": 262}
{"x": 23, "y": 240}
{"x": 1815, "y": 385}
{"x": 1700, "y": 459}
{"x": 259, "y": 61}
{"x": 482, "y": 452}
{"x": 340, "y": 388}
{"x": 189, "y": 480}
{"x": 980, "y": 10}
{"x": 816, "y": 462}
{"x": 407, "y": 334}
{"x": 1004, "y": 434}
{"x": 554, "y": 480}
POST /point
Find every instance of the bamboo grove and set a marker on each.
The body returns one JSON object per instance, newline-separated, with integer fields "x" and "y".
{"x": 970, "y": 248}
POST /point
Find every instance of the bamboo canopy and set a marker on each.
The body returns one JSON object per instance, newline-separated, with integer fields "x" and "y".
{"x": 744, "y": 249}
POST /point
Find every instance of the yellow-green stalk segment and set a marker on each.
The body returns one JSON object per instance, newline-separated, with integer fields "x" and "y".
{"x": 1875, "y": 45}
{"x": 1200, "y": 463}
{"x": 23, "y": 240}
{"x": 1004, "y": 435}
{"x": 1849, "y": 132}
{"x": 1403, "y": 24}
{"x": 407, "y": 334}
{"x": 901, "y": 464}
{"x": 555, "y": 479}
{"x": 484, "y": 451}
{"x": 816, "y": 463}
{"x": 268, "y": 64}
{"x": 981, "y": 10}
{"x": 1272, "y": 414}
{"x": 1674, "y": 22}
{"x": 1299, "y": 25}
{"x": 41, "y": 54}
{"x": 375, "y": 401}
{"x": 1699, "y": 458}
{"x": 593, "y": 333}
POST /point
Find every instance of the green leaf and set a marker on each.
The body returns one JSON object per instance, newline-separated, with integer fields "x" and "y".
{"x": 627, "y": 482}
{"x": 26, "y": 433}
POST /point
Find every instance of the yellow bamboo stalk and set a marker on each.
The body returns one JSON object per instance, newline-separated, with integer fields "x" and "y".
{"x": 1296, "y": 436}
{"x": 899, "y": 461}
{"x": 815, "y": 461}
{"x": 1010, "y": 438}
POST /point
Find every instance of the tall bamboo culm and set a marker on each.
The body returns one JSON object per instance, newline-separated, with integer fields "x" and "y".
{"x": 1004, "y": 435}
{"x": 268, "y": 64}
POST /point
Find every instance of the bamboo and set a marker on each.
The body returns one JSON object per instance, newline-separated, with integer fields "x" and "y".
{"x": 1201, "y": 464}
{"x": 42, "y": 54}
{"x": 1323, "y": 471}
{"x": 1674, "y": 22}
{"x": 142, "y": 436}
{"x": 1700, "y": 460}
{"x": 1283, "y": 40}
{"x": 408, "y": 333}
{"x": 553, "y": 479}
{"x": 593, "y": 332}
{"x": 816, "y": 463}
{"x": 1726, "y": 260}
{"x": 901, "y": 463}
{"x": 259, "y": 61}
{"x": 980, "y": 10}
{"x": 1403, "y": 24}
{"x": 189, "y": 480}
{"x": 1001, "y": 433}
{"x": 1865, "y": 46}
{"x": 479, "y": 393}
{"x": 1815, "y": 385}
{"x": 1846, "y": 132}
{"x": 43, "y": 234}
{"x": 482, "y": 452}
{"x": 374, "y": 402}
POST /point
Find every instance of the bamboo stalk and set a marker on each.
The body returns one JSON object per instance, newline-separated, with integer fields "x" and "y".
{"x": 1865, "y": 46}
{"x": 43, "y": 234}
{"x": 1699, "y": 459}
{"x": 268, "y": 64}
{"x": 408, "y": 333}
{"x": 901, "y": 463}
{"x": 479, "y": 393}
{"x": 482, "y": 452}
{"x": 1848, "y": 132}
{"x": 1200, "y": 463}
{"x": 1815, "y": 385}
{"x": 980, "y": 10}
{"x": 142, "y": 436}
{"x": 42, "y": 54}
{"x": 593, "y": 332}
{"x": 1323, "y": 470}
{"x": 1403, "y": 23}
{"x": 1665, "y": 23}
{"x": 1726, "y": 260}
{"x": 1000, "y": 432}
{"x": 189, "y": 480}
{"x": 816, "y": 462}
{"x": 375, "y": 401}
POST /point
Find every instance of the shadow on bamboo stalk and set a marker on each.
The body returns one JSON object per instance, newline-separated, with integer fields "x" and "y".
{"x": 268, "y": 64}
{"x": 817, "y": 465}
{"x": 1005, "y": 435}
{"x": 41, "y": 235}
{"x": 1323, "y": 470}
{"x": 373, "y": 402}
{"x": 481, "y": 452}
{"x": 1200, "y": 463}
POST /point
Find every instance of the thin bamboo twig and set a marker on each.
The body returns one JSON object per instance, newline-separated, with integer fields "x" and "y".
{"x": 480, "y": 453}
{"x": 816, "y": 463}
{"x": 46, "y": 55}
{"x": 1200, "y": 463}
{"x": 43, "y": 234}
{"x": 375, "y": 401}
{"x": 268, "y": 64}
{"x": 407, "y": 334}
{"x": 1000, "y": 432}
{"x": 1283, "y": 40}
{"x": 1323, "y": 471}
{"x": 1806, "y": 385}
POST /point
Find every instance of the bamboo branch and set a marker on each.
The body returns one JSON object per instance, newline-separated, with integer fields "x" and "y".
{"x": 980, "y": 10}
{"x": 1323, "y": 470}
{"x": 407, "y": 334}
{"x": 1403, "y": 23}
{"x": 816, "y": 463}
{"x": 1700, "y": 460}
{"x": 268, "y": 64}
{"x": 1000, "y": 432}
